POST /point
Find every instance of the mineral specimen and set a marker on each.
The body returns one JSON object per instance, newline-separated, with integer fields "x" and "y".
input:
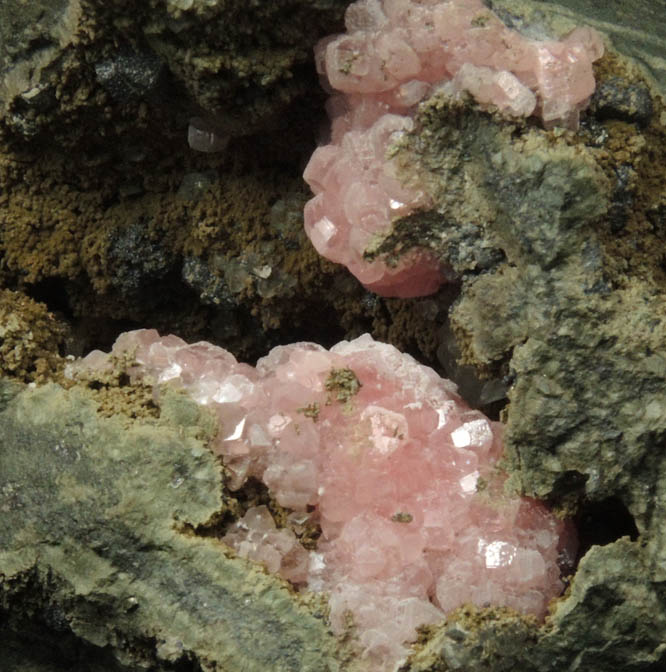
{"x": 398, "y": 472}
{"x": 393, "y": 55}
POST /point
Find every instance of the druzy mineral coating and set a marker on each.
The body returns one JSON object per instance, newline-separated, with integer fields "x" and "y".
{"x": 383, "y": 455}
{"x": 393, "y": 55}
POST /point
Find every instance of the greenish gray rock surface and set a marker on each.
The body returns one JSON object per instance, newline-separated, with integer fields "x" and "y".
{"x": 559, "y": 239}
{"x": 97, "y": 543}
{"x": 586, "y": 346}
{"x": 614, "y": 618}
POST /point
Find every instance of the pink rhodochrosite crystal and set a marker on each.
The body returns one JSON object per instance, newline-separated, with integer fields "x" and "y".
{"x": 393, "y": 55}
{"x": 384, "y": 455}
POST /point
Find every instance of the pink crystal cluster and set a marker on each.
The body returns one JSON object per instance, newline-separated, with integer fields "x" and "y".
{"x": 395, "y": 52}
{"x": 387, "y": 459}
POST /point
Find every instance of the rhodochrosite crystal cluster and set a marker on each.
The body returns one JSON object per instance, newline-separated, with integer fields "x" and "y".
{"x": 393, "y": 54}
{"x": 387, "y": 459}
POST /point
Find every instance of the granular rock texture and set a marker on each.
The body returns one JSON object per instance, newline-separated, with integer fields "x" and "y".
{"x": 557, "y": 238}
{"x": 574, "y": 304}
{"x": 577, "y": 221}
{"x": 100, "y": 562}
{"x": 387, "y": 459}
{"x": 131, "y": 227}
{"x": 66, "y": 63}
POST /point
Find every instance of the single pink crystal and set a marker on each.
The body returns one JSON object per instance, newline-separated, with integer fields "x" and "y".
{"x": 384, "y": 455}
{"x": 395, "y": 52}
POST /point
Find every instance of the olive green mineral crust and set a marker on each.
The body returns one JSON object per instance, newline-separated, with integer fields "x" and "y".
{"x": 342, "y": 384}
{"x": 573, "y": 309}
{"x": 310, "y": 411}
{"x": 612, "y": 618}
{"x": 581, "y": 329}
{"x": 99, "y": 561}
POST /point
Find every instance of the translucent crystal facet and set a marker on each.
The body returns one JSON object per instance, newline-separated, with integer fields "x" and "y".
{"x": 387, "y": 459}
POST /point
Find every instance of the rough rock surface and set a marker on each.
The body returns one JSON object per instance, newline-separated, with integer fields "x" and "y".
{"x": 97, "y": 546}
{"x": 130, "y": 227}
{"x": 574, "y": 307}
{"x": 626, "y": 633}
{"x": 64, "y": 59}
{"x": 31, "y": 338}
{"x": 116, "y": 86}
{"x": 560, "y": 298}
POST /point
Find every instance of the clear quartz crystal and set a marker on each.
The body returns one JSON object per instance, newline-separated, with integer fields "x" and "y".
{"x": 387, "y": 459}
{"x": 202, "y": 136}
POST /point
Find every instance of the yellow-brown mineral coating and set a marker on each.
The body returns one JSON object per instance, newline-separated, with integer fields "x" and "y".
{"x": 51, "y": 228}
{"x": 91, "y": 199}
{"x": 77, "y": 70}
{"x": 30, "y": 339}
{"x": 635, "y": 159}
{"x": 59, "y": 222}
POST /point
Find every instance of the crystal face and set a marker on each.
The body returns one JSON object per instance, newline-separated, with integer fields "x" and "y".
{"x": 383, "y": 455}
{"x": 394, "y": 54}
